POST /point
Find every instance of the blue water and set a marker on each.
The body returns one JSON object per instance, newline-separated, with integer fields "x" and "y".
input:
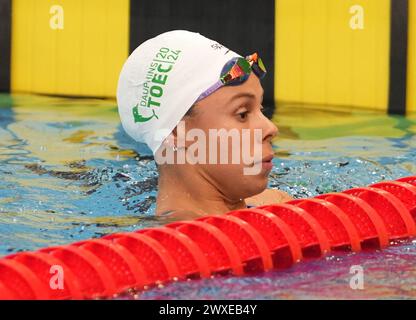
{"x": 68, "y": 172}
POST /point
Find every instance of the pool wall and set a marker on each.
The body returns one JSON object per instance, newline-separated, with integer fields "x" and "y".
{"x": 320, "y": 52}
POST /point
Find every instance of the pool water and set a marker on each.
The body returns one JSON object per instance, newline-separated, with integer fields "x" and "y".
{"x": 68, "y": 172}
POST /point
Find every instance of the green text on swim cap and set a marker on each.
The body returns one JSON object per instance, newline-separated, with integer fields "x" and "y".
{"x": 156, "y": 79}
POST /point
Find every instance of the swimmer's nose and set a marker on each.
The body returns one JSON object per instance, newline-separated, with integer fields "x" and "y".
{"x": 270, "y": 130}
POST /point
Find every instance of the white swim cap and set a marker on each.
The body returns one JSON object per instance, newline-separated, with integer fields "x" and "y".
{"x": 162, "y": 79}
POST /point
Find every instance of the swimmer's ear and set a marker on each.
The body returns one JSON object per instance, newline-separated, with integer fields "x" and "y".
{"x": 171, "y": 139}
{"x": 174, "y": 132}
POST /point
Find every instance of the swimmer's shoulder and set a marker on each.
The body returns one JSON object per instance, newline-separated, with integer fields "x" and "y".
{"x": 268, "y": 196}
{"x": 284, "y": 196}
{"x": 176, "y": 215}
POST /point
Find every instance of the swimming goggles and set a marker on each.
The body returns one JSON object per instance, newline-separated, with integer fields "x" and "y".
{"x": 236, "y": 71}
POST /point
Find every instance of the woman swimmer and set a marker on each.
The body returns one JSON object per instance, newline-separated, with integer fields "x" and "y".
{"x": 198, "y": 106}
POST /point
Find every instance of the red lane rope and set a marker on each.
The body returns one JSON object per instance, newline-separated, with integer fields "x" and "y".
{"x": 279, "y": 237}
{"x": 404, "y": 191}
{"x": 252, "y": 247}
{"x": 394, "y": 213}
{"x": 221, "y": 253}
{"x": 6, "y": 294}
{"x": 238, "y": 242}
{"x": 411, "y": 180}
{"x": 42, "y": 265}
{"x": 160, "y": 266}
{"x": 309, "y": 233}
{"x": 126, "y": 270}
{"x": 95, "y": 278}
{"x": 338, "y": 226}
{"x": 19, "y": 279}
{"x": 190, "y": 259}
{"x": 370, "y": 226}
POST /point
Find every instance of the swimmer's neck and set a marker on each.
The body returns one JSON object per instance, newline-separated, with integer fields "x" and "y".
{"x": 185, "y": 190}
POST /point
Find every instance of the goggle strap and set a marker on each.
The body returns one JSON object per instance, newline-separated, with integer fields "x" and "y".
{"x": 238, "y": 70}
{"x": 210, "y": 90}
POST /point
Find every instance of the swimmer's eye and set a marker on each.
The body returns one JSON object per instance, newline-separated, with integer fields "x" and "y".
{"x": 243, "y": 115}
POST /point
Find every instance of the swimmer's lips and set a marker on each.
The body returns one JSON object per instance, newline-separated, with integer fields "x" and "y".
{"x": 266, "y": 162}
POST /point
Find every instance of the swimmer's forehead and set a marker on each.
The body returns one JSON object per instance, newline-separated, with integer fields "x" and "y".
{"x": 246, "y": 94}
{"x": 252, "y": 89}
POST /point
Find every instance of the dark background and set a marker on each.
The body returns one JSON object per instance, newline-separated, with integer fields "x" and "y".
{"x": 242, "y": 26}
{"x": 5, "y": 43}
